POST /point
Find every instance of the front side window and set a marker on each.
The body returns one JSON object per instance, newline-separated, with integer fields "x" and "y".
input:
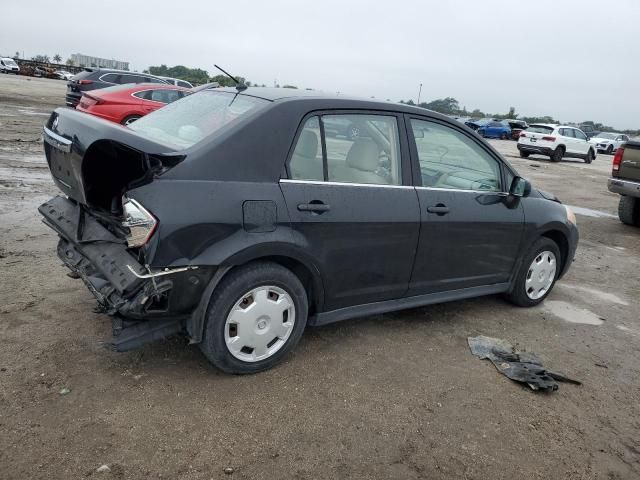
{"x": 182, "y": 124}
{"x": 356, "y": 148}
{"x": 579, "y": 135}
{"x": 111, "y": 78}
{"x": 451, "y": 160}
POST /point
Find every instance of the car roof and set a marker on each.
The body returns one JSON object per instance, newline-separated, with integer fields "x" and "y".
{"x": 345, "y": 101}
{"x": 550, "y": 125}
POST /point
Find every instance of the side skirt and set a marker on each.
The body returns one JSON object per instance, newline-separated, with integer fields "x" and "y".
{"x": 404, "y": 303}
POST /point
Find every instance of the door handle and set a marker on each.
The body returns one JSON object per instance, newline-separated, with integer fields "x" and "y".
{"x": 315, "y": 207}
{"x": 439, "y": 209}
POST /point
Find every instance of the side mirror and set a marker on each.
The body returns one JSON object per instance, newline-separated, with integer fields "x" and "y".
{"x": 520, "y": 187}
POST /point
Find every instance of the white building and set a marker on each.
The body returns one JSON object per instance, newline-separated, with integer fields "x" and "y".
{"x": 80, "y": 60}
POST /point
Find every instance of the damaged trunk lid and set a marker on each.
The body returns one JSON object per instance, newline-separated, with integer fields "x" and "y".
{"x": 94, "y": 162}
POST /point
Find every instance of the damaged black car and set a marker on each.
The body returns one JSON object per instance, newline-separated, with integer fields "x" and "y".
{"x": 234, "y": 218}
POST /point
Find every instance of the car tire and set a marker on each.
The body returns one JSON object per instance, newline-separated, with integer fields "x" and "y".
{"x": 130, "y": 119}
{"x": 590, "y": 156}
{"x": 233, "y": 292}
{"x": 609, "y": 150}
{"x": 520, "y": 294}
{"x": 524, "y": 154}
{"x": 503, "y": 136}
{"x": 557, "y": 155}
{"x": 629, "y": 210}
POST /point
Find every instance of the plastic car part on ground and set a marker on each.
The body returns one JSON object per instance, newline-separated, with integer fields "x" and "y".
{"x": 522, "y": 367}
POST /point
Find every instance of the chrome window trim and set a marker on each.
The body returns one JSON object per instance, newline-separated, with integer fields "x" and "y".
{"x": 350, "y": 184}
{"x": 149, "y": 90}
{"x": 462, "y": 190}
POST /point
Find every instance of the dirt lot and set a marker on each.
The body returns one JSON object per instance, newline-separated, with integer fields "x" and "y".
{"x": 391, "y": 396}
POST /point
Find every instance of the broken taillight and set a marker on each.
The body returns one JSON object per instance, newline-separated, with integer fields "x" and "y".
{"x": 140, "y": 222}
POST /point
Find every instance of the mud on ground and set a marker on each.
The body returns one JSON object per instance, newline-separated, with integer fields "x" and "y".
{"x": 389, "y": 396}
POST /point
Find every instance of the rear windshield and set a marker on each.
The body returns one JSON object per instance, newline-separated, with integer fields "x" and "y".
{"x": 185, "y": 122}
{"x": 540, "y": 129}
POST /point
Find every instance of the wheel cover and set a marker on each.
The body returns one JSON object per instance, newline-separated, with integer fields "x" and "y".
{"x": 259, "y": 323}
{"x": 129, "y": 121}
{"x": 541, "y": 274}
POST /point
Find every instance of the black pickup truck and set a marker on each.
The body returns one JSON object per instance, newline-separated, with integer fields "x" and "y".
{"x": 625, "y": 180}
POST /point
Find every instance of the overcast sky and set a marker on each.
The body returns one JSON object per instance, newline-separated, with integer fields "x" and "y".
{"x": 573, "y": 59}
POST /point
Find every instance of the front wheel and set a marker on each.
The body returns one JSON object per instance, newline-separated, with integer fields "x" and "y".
{"x": 610, "y": 150}
{"x": 524, "y": 154}
{"x": 503, "y": 136}
{"x": 255, "y": 317}
{"x": 537, "y": 274}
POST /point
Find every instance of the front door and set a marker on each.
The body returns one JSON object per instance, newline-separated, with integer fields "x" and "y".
{"x": 470, "y": 236}
{"x": 351, "y": 202}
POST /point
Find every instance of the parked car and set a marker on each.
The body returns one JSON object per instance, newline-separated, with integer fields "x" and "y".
{"x": 608, "y": 142}
{"x": 516, "y": 126}
{"x": 625, "y": 180}
{"x": 64, "y": 75}
{"x": 341, "y": 127}
{"x": 177, "y": 82}
{"x": 230, "y": 217}
{"x": 494, "y": 129}
{"x": 96, "y": 78}
{"x": 127, "y": 103}
{"x": 587, "y": 129}
{"x": 555, "y": 142}
{"x": 8, "y": 65}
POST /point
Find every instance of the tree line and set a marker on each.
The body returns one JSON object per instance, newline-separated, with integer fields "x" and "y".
{"x": 451, "y": 106}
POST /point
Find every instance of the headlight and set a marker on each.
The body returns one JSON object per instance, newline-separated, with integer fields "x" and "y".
{"x": 571, "y": 216}
{"x": 140, "y": 222}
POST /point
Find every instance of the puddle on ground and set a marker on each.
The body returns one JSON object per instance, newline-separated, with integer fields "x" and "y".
{"x": 587, "y": 212}
{"x": 571, "y": 313}
{"x": 605, "y": 296}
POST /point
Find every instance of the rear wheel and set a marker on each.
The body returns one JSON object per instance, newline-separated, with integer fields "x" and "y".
{"x": 629, "y": 210}
{"x": 130, "y": 119}
{"x": 590, "y": 156}
{"x": 255, "y": 317}
{"x": 538, "y": 273}
{"x": 524, "y": 154}
{"x": 557, "y": 155}
{"x": 503, "y": 136}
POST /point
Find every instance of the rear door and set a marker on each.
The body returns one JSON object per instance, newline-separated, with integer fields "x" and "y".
{"x": 582, "y": 144}
{"x": 568, "y": 140}
{"x": 470, "y": 235}
{"x": 351, "y": 203}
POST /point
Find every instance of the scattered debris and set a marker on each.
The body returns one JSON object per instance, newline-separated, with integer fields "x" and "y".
{"x": 601, "y": 365}
{"x": 522, "y": 367}
{"x": 103, "y": 469}
{"x": 64, "y": 391}
{"x": 228, "y": 470}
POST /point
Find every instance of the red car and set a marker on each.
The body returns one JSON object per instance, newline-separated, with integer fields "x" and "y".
{"x": 126, "y": 103}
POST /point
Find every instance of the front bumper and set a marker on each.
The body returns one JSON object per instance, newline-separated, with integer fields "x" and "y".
{"x": 524, "y": 147}
{"x": 624, "y": 187}
{"x": 574, "y": 237}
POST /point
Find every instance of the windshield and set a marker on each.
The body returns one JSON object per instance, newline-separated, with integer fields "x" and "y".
{"x": 610, "y": 136}
{"x": 185, "y": 122}
{"x": 540, "y": 129}
{"x": 9, "y": 62}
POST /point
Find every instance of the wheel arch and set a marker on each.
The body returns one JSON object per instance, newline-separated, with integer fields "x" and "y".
{"x": 560, "y": 239}
{"x": 303, "y": 268}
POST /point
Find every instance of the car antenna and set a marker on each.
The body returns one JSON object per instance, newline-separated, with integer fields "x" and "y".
{"x": 239, "y": 85}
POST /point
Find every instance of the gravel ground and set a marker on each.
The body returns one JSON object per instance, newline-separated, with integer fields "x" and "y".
{"x": 389, "y": 396}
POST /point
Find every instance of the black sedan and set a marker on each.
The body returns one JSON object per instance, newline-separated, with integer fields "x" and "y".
{"x": 234, "y": 218}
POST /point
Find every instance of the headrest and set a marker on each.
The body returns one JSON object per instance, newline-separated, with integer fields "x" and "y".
{"x": 363, "y": 155}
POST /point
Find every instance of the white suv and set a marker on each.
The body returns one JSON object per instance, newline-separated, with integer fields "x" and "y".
{"x": 556, "y": 142}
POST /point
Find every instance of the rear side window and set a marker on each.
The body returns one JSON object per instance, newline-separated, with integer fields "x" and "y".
{"x": 184, "y": 84}
{"x": 355, "y": 148}
{"x": 567, "y": 132}
{"x": 451, "y": 160}
{"x": 540, "y": 129}
{"x": 111, "y": 78}
{"x": 154, "y": 80}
